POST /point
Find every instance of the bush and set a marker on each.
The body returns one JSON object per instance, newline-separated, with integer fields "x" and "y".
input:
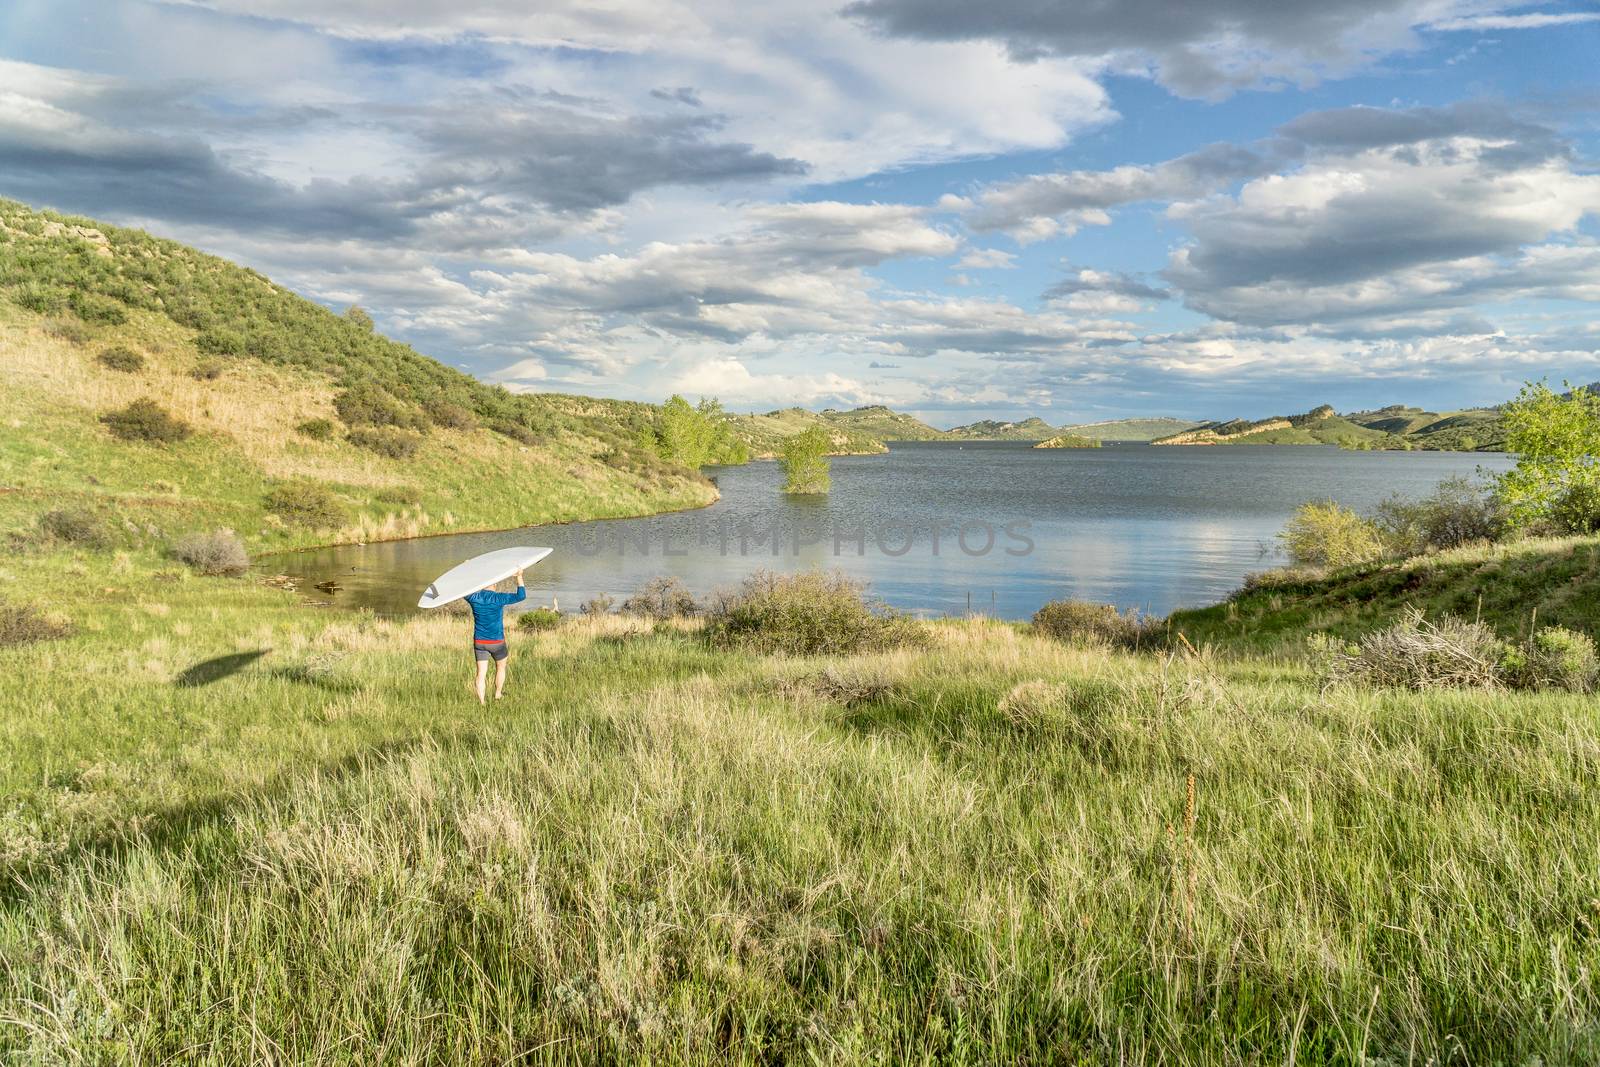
{"x": 316, "y": 429}
{"x": 65, "y": 328}
{"x": 101, "y": 309}
{"x": 1456, "y": 513}
{"x": 221, "y": 342}
{"x": 1417, "y": 654}
{"x": 364, "y": 404}
{"x": 538, "y": 619}
{"x": 1576, "y": 509}
{"x": 516, "y": 431}
{"x": 1555, "y": 658}
{"x": 1326, "y": 534}
{"x": 207, "y": 370}
{"x": 219, "y": 553}
{"x": 452, "y": 417}
{"x": 305, "y": 504}
{"x": 21, "y": 624}
{"x": 405, "y": 496}
{"x": 45, "y": 299}
{"x": 806, "y": 614}
{"x": 386, "y": 441}
{"x": 1079, "y": 621}
{"x": 804, "y": 457}
{"x": 661, "y": 598}
{"x": 75, "y": 526}
{"x": 145, "y": 420}
{"x": 121, "y": 358}
{"x": 600, "y": 604}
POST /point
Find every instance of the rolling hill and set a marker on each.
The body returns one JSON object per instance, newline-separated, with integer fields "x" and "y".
{"x": 1130, "y": 429}
{"x": 1393, "y": 427}
{"x": 765, "y": 433}
{"x": 1030, "y": 429}
{"x": 1068, "y": 440}
{"x": 876, "y": 420}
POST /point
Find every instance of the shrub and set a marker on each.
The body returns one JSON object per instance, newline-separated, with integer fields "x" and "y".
{"x": 121, "y": 358}
{"x": 600, "y": 604}
{"x": 66, "y": 328}
{"x": 145, "y": 420}
{"x": 24, "y": 623}
{"x": 45, "y": 299}
{"x": 1456, "y": 513}
{"x": 1326, "y": 534}
{"x": 1576, "y": 509}
{"x": 1555, "y": 658}
{"x": 452, "y": 416}
{"x": 365, "y": 404}
{"x": 316, "y": 429}
{"x": 538, "y": 619}
{"x": 1079, "y": 621}
{"x": 405, "y": 496}
{"x": 221, "y": 342}
{"x": 219, "y": 553}
{"x": 516, "y": 431}
{"x": 207, "y": 370}
{"x": 91, "y": 307}
{"x": 75, "y": 526}
{"x": 1417, "y": 654}
{"x": 661, "y": 598}
{"x": 806, "y": 614}
{"x": 386, "y": 441}
{"x": 305, "y": 504}
{"x": 804, "y": 457}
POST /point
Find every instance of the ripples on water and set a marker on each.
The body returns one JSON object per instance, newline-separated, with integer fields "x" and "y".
{"x": 1154, "y": 528}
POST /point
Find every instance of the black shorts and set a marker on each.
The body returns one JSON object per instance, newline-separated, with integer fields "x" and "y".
{"x": 486, "y": 650}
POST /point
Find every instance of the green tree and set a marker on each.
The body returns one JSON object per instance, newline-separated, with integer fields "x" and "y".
{"x": 696, "y": 436}
{"x": 1327, "y": 534}
{"x": 805, "y": 461}
{"x": 1556, "y": 482}
{"x": 358, "y": 315}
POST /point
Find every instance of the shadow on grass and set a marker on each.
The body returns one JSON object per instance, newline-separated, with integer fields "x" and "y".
{"x": 214, "y": 670}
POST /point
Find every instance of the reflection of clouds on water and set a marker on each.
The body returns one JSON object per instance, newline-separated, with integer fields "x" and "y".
{"x": 1151, "y": 528}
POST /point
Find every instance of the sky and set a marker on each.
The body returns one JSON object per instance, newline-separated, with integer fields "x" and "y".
{"x": 1078, "y": 209}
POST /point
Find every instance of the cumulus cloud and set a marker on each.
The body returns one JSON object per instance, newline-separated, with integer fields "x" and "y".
{"x": 1104, "y": 292}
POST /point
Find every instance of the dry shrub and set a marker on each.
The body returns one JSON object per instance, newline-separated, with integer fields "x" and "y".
{"x": 121, "y": 358}
{"x": 67, "y": 328}
{"x": 316, "y": 429}
{"x": 807, "y": 614}
{"x": 661, "y": 598}
{"x": 145, "y": 420}
{"x": 850, "y": 688}
{"x": 1081, "y": 622}
{"x": 207, "y": 370}
{"x": 1415, "y": 653}
{"x": 219, "y": 553}
{"x": 387, "y": 441}
{"x": 597, "y": 605}
{"x": 21, "y": 624}
{"x": 75, "y": 526}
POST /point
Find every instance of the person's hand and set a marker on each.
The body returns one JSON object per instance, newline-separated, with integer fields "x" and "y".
{"x": 519, "y": 577}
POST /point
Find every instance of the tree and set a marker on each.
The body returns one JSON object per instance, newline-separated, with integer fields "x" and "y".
{"x": 696, "y": 436}
{"x": 1556, "y": 482}
{"x": 805, "y": 461}
{"x": 358, "y": 315}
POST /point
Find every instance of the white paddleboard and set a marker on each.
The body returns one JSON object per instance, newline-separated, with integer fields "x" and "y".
{"x": 479, "y": 572}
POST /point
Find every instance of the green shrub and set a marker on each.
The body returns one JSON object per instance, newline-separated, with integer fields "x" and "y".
{"x": 365, "y": 404}
{"x": 1079, "y": 621}
{"x": 221, "y": 342}
{"x": 406, "y": 496}
{"x": 121, "y": 358}
{"x": 145, "y": 420}
{"x": 804, "y": 457}
{"x": 516, "y": 431}
{"x": 1576, "y": 508}
{"x": 538, "y": 619}
{"x": 21, "y": 624}
{"x": 661, "y": 598}
{"x": 1456, "y": 513}
{"x": 66, "y": 328}
{"x": 307, "y": 504}
{"x": 806, "y": 614}
{"x": 452, "y": 416}
{"x": 386, "y": 441}
{"x": 75, "y": 526}
{"x": 1327, "y": 534}
{"x": 220, "y": 553}
{"x": 207, "y": 370}
{"x": 44, "y": 299}
{"x": 1555, "y": 658}
{"x": 103, "y": 310}
{"x": 316, "y": 429}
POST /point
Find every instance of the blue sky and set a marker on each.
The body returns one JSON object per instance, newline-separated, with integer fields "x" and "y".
{"x": 1076, "y": 211}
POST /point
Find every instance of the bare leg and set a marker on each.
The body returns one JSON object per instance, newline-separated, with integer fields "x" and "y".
{"x": 483, "y": 672}
{"x": 500, "y": 677}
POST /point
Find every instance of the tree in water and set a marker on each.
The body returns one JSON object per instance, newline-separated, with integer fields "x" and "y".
{"x": 805, "y": 462}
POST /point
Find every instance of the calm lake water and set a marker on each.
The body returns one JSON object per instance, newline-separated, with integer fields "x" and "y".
{"x": 936, "y": 527}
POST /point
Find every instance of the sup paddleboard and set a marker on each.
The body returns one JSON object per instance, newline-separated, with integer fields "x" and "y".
{"x": 479, "y": 572}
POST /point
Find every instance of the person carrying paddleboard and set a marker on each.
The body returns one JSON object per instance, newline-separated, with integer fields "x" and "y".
{"x": 489, "y": 633}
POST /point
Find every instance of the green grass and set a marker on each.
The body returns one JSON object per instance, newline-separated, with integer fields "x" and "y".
{"x": 766, "y": 433}
{"x": 241, "y": 829}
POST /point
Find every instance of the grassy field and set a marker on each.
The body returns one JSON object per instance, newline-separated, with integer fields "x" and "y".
{"x": 239, "y": 829}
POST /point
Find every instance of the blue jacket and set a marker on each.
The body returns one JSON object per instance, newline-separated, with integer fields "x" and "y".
{"x": 489, "y": 612}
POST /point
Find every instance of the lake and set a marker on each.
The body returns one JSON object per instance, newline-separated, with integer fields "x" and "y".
{"x": 940, "y": 528}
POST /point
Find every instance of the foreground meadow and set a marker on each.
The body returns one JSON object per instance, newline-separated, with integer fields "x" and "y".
{"x": 240, "y": 830}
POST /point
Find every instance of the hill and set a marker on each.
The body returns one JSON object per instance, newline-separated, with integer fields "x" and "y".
{"x": 880, "y": 422}
{"x": 765, "y": 433}
{"x": 1474, "y": 429}
{"x": 1068, "y": 440}
{"x": 1130, "y": 429}
{"x": 1030, "y": 429}
{"x": 1320, "y": 426}
{"x": 277, "y": 392}
{"x": 1394, "y": 427}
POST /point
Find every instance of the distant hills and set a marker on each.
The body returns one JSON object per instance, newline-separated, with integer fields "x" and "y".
{"x": 1393, "y": 427}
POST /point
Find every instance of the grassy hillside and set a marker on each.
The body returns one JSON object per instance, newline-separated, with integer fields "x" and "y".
{"x": 1130, "y": 429}
{"x": 765, "y": 433}
{"x": 1509, "y": 585}
{"x": 72, "y": 291}
{"x": 882, "y": 423}
{"x": 1320, "y": 426}
{"x": 1030, "y": 429}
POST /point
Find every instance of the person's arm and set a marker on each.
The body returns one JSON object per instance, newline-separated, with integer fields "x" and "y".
{"x": 522, "y": 591}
